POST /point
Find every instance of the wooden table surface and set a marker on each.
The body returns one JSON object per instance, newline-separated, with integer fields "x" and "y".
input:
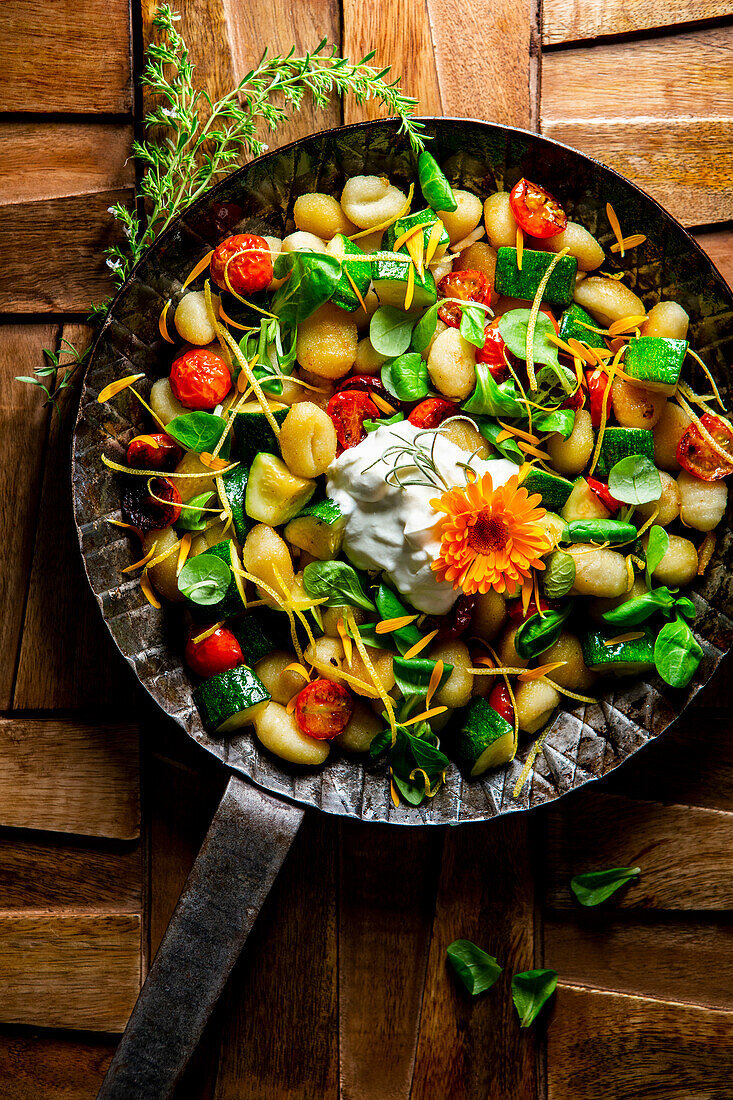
{"x": 343, "y": 989}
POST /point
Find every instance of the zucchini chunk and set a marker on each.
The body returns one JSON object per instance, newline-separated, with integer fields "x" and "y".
{"x": 255, "y": 636}
{"x": 319, "y": 529}
{"x": 513, "y": 283}
{"x": 655, "y": 362}
{"x": 252, "y": 430}
{"x": 620, "y": 659}
{"x": 485, "y": 740}
{"x": 570, "y": 325}
{"x": 231, "y": 603}
{"x": 230, "y": 700}
{"x": 234, "y": 487}
{"x": 554, "y": 490}
{"x": 390, "y": 283}
{"x": 620, "y": 443}
{"x": 360, "y": 273}
{"x": 426, "y": 218}
{"x": 273, "y": 494}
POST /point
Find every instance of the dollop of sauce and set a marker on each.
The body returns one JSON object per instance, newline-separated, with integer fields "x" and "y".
{"x": 393, "y": 527}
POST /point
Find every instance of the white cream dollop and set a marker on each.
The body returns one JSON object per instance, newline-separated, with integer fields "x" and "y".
{"x": 392, "y": 528}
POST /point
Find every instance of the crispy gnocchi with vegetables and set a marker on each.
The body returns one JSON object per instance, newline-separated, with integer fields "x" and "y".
{"x": 419, "y": 473}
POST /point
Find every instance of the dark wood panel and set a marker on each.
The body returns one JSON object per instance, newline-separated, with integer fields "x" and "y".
{"x": 51, "y": 1066}
{"x": 49, "y": 873}
{"x": 575, "y": 20}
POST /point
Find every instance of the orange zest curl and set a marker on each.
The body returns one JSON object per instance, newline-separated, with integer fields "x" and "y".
{"x": 490, "y": 538}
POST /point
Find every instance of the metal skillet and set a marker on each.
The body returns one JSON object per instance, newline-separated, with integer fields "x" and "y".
{"x": 265, "y": 799}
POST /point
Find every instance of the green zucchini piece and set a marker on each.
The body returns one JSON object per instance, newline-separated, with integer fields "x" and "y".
{"x": 231, "y": 604}
{"x": 570, "y": 326}
{"x": 426, "y": 218}
{"x": 485, "y": 739}
{"x": 655, "y": 362}
{"x": 390, "y": 283}
{"x": 255, "y": 636}
{"x": 620, "y": 659}
{"x": 230, "y": 700}
{"x": 360, "y": 273}
{"x": 620, "y": 443}
{"x": 554, "y": 490}
{"x": 553, "y": 524}
{"x": 319, "y": 529}
{"x": 234, "y": 487}
{"x": 252, "y": 430}
{"x": 583, "y": 504}
{"x": 274, "y": 495}
{"x": 513, "y": 283}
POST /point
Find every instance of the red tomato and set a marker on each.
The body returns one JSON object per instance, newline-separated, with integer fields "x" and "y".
{"x": 244, "y": 261}
{"x": 494, "y": 352}
{"x": 153, "y": 452}
{"x": 575, "y": 401}
{"x": 432, "y": 412}
{"x": 604, "y": 494}
{"x": 349, "y": 409}
{"x": 501, "y": 701}
{"x": 323, "y": 709}
{"x": 536, "y": 211}
{"x": 515, "y": 613}
{"x": 200, "y": 379}
{"x": 147, "y": 512}
{"x": 217, "y": 653}
{"x": 597, "y": 385}
{"x": 695, "y": 454}
{"x": 369, "y": 382}
{"x": 469, "y": 286}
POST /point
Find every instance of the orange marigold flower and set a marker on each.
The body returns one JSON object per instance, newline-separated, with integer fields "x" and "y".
{"x": 489, "y": 538}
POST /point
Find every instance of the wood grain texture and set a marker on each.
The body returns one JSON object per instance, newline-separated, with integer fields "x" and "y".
{"x": 719, "y": 247}
{"x": 387, "y": 893}
{"x": 280, "y": 1038}
{"x": 487, "y": 59}
{"x": 472, "y": 1048}
{"x": 22, "y": 445}
{"x": 66, "y": 56}
{"x": 203, "y": 25}
{"x": 50, "y": 1066}
{"x": 68, "y": 970}
{"x": 677, "y": 959}
{"x": 686, "y": 854}
{"x": 401, "y": 35}
{"x": 632, "y": 1047}
{"x": 69, "y": 777}
{"x": 576, "y": 20}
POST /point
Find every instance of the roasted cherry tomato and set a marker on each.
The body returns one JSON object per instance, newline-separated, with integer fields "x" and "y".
{"x": 455, "y": 622}
{"x": 150, "y": 509}
{"x": 323, "y": 709}
{"x": 494, "y": 352}
{"x": 432, "y": 412}
{"x": 536, "y": 211}
{"x": 515, "y": 613}
{"x": 153, "y": 452}
{"x": 200, "y": 379}
{"x": 695, "y": 454}
{"x": 501, "y": 701}
{"x": 604, "y": 494}
{"x": 217, "y": 653}
{"x": 242, "y": 263}
{"x": 349, "y": 409}
{"x": 597, "y": 383}
{"x": 575, "y": 401}
{"x": 222, "y": 217}
{"x": 469, "y": 286}
{"x": 368, "y": 382}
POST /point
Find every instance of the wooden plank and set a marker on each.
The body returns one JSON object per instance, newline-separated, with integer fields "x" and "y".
{"x": 471, "y": 1048}
{"x": 69, "y": 970}
{"x": 401, "y": 35}
{"x": 680, "y": 959}
{"x": 66, "y": 56}
{"x": 22, "y": 445}
{"x": 573, "y": 21}
{"x": 497, "y": 83}
{"x": 69, "y": 777}
{"x": 61, "y": 616}
{"x": 52, "y": 1066}
{"x": 203, "y": 25}
{"x": 719, "y": 246}
{"x": 52, "y": 160}
{"x": 48, "y": 873}
{"x": 387, "y": 894}
{"x": 686, "y": 854}
{"x": 280, "y": 1036}
{"x": 631, "y": 1047}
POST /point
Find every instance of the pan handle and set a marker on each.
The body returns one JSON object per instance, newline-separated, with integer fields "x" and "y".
{"x": 242, "y": 853}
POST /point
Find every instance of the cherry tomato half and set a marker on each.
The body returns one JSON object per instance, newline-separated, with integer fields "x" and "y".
{"x": 200, "y": 379}
{"x": 515, "y": 613}
{"x": 469, "y": 286}
{"x": 597, "y": 384}
{"x": 501, "y": 701}
{"x": 456, "y": 622}
{"x": 349, "y": 409}
{"x": 536, "y": 211}
{"x": 217, "y": 653}
{"x": 371, "y": 383}
{"x": 494, "y": 352}
{"x": 323, "y": 709}
{"x": 604, "y": 494}
{"x": 153, "y": 452}
{"x": 575, "y": 401}
{"x": 695, "y": 454}
{"x": 146, "y": 512}
{"x": 244, "y": 261}
{"x": 432, "y": 412}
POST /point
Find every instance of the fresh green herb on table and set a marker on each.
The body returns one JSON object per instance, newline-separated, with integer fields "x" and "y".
{"x": 594, "y": 887}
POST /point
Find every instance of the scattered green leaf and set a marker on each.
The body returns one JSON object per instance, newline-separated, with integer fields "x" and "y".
{"x": 390, "y": 330}
{"x": 194, "y": 518}
{"x": 593, "y": 887}
{"x": 677, "y": 653}
{"x": 424, "y": 330}
{"x": 205, "y": 579}
{"x": 338, "y": 581}
{"x": 635, "y": 480}
{"x": 476, "y": 969}
{"x": 492, "y": 398}
{"x": 437, "y": 192}
{"x": 539, "y": 632}
{"x": 473, "y": 323}
{"x": 311, "y": 280}
{"x": 513, "y": 327}
{"x": 196, "y": 431}
{"x": 657, "y": 547}
{"x": 531, "y": 990}
{"x": 559, "y": 574}
{"x": 406, "y": 377}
